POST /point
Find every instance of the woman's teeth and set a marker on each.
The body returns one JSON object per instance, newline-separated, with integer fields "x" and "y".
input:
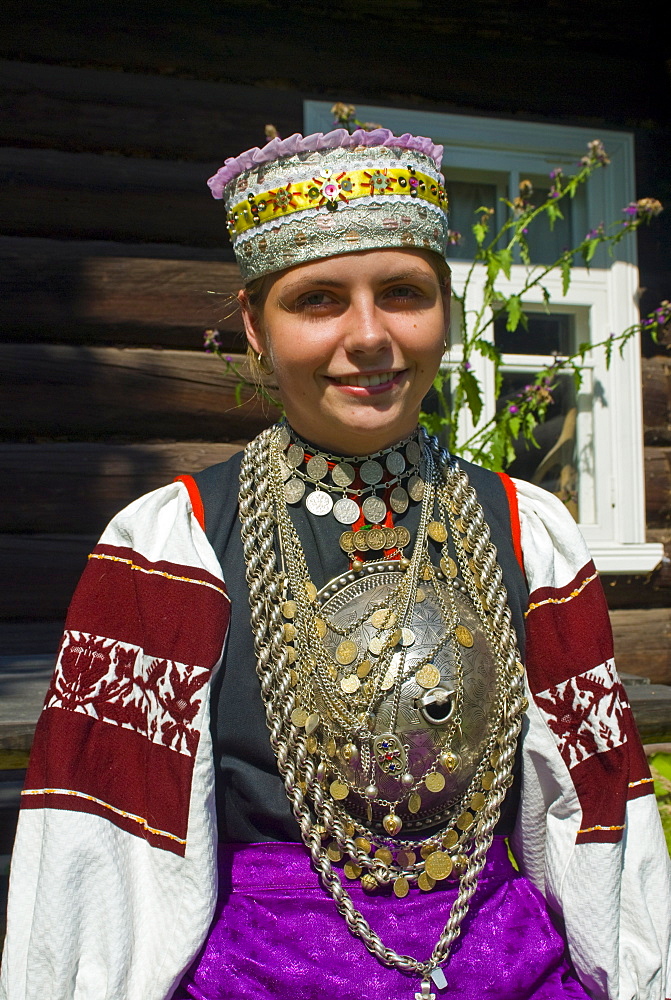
{"x": 363, "y": 381}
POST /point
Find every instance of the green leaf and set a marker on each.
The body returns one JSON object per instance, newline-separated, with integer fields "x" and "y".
{"x": 488, "y": 350}
{"x": 493, "y": 267}
{"x": 471, "y": 387}
{"x": 480, "y": 233}
{"x": 513, "y": 307}
{"x": 506, "y": 260}
{"x": 565, "y": 266}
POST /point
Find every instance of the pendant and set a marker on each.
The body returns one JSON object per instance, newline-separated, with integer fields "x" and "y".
{"x": 425, "y": 993}
{"x": 390, "y": 754}
{"x": 319, "y": 503}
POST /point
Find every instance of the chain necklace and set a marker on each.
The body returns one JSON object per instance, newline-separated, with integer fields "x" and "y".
{"x": 285, "y": 669}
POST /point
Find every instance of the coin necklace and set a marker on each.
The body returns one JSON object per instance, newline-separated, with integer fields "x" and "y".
{"x": 395, "y": 470}
{"x": 299, "y": 768}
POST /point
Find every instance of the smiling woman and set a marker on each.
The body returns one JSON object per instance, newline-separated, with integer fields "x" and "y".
{"x": 307, "y": 699}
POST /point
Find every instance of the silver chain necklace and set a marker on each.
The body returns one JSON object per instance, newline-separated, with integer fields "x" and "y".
{"x": 260, "y": 512}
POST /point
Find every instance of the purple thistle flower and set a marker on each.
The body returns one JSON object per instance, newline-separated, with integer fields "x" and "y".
{"x": 513, "y": 409}
{"x": 631, "y": 210}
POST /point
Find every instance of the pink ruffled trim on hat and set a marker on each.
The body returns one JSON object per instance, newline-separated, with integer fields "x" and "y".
{"x": 340, "y": 137}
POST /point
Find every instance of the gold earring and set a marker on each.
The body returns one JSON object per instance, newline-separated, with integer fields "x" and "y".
{"x": 265, "y": 365}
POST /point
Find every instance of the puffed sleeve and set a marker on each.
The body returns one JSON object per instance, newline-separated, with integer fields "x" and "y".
{"x": 113, "y": 877}
{"x": 588, "y": 831}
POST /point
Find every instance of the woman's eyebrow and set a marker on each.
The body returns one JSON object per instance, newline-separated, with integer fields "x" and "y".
{"x": 412, "y": 273}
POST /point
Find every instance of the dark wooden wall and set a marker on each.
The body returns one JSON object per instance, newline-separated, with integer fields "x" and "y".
{"x": 112, "y": 248}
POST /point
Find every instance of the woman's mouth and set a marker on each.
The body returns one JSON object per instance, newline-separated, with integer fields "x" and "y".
{"x": 380, "y": 381}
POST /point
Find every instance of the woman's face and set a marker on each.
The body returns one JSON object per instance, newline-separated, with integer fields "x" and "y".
{"x": 355, "y": 342}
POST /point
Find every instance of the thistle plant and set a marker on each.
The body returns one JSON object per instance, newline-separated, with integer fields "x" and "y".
{"x": 492, "y": 441}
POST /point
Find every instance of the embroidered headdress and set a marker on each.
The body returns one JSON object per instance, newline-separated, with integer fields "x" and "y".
{"x": 308, "y": 197}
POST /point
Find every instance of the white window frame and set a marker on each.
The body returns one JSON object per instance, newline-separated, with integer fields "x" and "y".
{"x": 603, "y": 299}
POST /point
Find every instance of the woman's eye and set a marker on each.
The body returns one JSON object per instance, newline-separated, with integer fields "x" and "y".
{"x": 313, "y": 300}
{"x": 403, "y": 292}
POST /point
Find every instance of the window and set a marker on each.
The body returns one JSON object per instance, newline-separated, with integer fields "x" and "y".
{"x": 591, "y": 448}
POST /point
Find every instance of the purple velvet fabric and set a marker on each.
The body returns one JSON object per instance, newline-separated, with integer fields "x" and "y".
{"x": 276, "y": 935}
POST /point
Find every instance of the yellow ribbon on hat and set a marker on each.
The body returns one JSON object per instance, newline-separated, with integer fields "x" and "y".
{"x": 330, "y": 190}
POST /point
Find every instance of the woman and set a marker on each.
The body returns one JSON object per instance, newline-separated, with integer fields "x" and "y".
{"x": 385, "y": 596}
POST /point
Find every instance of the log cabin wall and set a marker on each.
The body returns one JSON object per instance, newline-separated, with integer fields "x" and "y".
{"x": 111, "y": 245}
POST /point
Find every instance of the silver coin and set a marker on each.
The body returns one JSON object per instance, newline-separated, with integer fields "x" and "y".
{"x": 295, "y": 456}
{"x": 283, "y": 437}
{"x": 319, "y": 502}
{"x": 416, "y": 487}
{"x": 294, "y": 490}
{"x": 343, "y": 474}
{"x": 371, "y": 472}
{"x": 374, "y": 510}
{"x": 346, "y": 511}
{"x": 413, "y": 452}
{"x": 285, "y": 471}
{"x": 317, "y": 467}
{"x": 398, "y": 501}
{"x": 407, "y": 637}
{"x": 395, "y": 463}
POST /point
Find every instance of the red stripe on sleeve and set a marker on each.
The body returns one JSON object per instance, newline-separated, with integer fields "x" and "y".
{"x": 511, "y": 494}
{"x": 194, "y": 497}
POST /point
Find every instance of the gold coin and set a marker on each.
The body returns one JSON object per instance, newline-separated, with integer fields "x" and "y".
{"x": 293, "y": 677}
{"x": 352, "y": 870}
{"x": 383, "y": 618}
{"x": 363, "y": 844}
{"x": 426, "y": 850}
{"x": 331, "y": 747}
{"x": 346, "y": 652}
{"x": 487, "y": 780}
{"x": 435, "y": 781}
{"x": 448, "y": 567}
{"x": 384, "y": 855}
{"x": 369, "y": 883}
{"x": 414, "y": 803}
{"x": 332, "y": 672}
{"x": 312, "y": 744}
{"x": 415, "y": 488}
{"x": 289, "y": 609}
{"x": 477, "y": 801}
{"x": 420, "y": 596}
{"x": 350, "y": 684}
{"x": 364, "y": 668}
{"x": 425, "y": 882}
{"x": 438, "y": 865}
{"x": 321, "y": 627}
{"x": 427, "y": 573}
{"x": 437, "y": 531}
{"x": 402, "y": 536}
{"x": 395, "y": 637}
{"x": 389, "y": 679}
{"x": 312, "y": 722}
{"x": 520, "y": 668}
{"x": 494, "y": 758}
{"x": 411, "y": 856}
{"x": 402, "y": 859}
{"x": 377, "y": 539}
{"x": 347, "y": 541}
{"x": 333, "y": 851}
{"x": 338, "y": 790}
{"x": 466, "y": 820}
{"x": 310, "y": 590}
{"x": 391, "y": 539}
{"x": 289, "y": 631}
{"x": 360, "y": 543}
{"x": 459, "y": 525}
{"x": 299, "y": 717}
{"x": 349, "y": 827}
{"x": 376, "y": 645}
{"x": 401, "y": 887}
{"x": 428, "y": 676}
{"x": 291, "y": 654}
{"x": 464, "y": 636}
{"x": 450, "y": 839}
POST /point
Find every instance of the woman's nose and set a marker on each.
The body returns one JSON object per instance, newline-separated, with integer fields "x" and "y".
{"x": 367, "y": 331}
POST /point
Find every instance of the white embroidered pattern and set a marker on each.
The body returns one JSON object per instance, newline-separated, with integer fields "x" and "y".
{"x": 117, "y": 683}
{"x": 585, "y": 713}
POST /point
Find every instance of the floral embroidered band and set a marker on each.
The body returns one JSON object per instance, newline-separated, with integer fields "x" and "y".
{"x": 320, "y": 203}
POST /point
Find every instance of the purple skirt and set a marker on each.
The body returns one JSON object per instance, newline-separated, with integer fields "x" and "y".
{"x": 276, "y": 935}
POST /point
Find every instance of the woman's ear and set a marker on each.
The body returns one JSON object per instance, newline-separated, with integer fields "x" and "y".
{"x": 253, "y": 326}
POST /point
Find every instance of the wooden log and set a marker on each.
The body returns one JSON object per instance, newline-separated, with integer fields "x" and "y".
{"x": 651, "y": 591}
{"x": 656, "y": 380}
{"x": 89, "y": 110}
{"x": 658, "y": 487}
{"x": 114, "y": 293}
{"x": 643, "y": 642}
{"x": 40, "y": 573}
{"x": 91, "y": 196}
{"x": 75, "y": 488}
{"x": 114, "y": 394}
